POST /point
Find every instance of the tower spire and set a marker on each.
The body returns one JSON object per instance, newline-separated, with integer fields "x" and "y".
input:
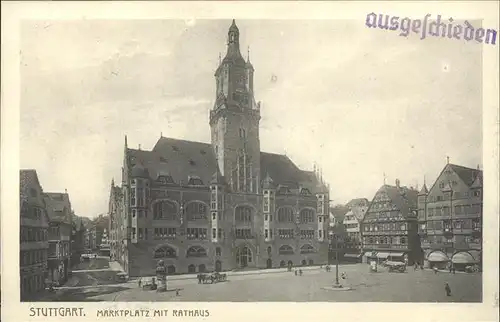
{"x": 126, "y": 145}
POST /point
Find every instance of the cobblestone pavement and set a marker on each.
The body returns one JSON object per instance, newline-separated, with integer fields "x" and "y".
{"x": 413, "y": 286}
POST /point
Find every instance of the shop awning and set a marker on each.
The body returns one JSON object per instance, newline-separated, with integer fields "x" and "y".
{"x": 476, "y": 254}
{"x": 352, "y": 255}
{"x": 463, "y": 258}
{"x": 382, "y": 255}
{"x": 396, "y": 254}
{"x": 437, "y": 257}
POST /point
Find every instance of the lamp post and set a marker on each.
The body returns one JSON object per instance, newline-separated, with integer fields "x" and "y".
{"x": 332, "y": 237}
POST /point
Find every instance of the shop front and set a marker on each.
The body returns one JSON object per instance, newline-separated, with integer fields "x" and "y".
{"x": 438, "y": 259}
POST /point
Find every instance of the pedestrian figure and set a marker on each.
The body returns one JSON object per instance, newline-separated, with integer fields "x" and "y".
{"x": 176, "y": 292}
{"x": 416, "y": 266}
{"x": 447, "y": 289}
{"x": 199, "y": 278}
{"x": 295, "y": 272}
{"x": 454, "y": 269}
{"x": 343, "y": 275}
{"x": 139, "y": 282}
{"x": 435, "y": 270}
{"x": 300, "y": 272}
{"x": 422, "y": 266}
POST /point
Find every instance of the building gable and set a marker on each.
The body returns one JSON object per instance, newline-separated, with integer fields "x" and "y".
{"x": 457, "y": 177}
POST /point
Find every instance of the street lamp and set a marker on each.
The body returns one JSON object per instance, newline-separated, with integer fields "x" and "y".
{"x": 332, "y": 236}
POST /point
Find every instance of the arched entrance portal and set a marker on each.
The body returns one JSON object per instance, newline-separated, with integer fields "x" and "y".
{"x": 243, "y": 256}
{"x": 218, "y": 266}
{"x": 269, "y": 263}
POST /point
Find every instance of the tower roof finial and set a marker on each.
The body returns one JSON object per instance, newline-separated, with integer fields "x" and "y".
{"x": 248, "y": 53}
{"x": 447, "y": 160}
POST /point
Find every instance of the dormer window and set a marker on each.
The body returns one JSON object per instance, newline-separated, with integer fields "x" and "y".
{"x": 305, "y": 192}
{"x": 166, "y": 180}
{"x": 193, "y": 181}
{"x": 284, "y": 190}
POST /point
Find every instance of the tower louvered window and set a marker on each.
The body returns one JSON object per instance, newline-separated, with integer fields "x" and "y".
{"x": 241, "y": 175}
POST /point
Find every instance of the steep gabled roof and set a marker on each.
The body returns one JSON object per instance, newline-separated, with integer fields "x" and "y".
{"x": 403, "y": 198}
{"x": 468, "y": 175}
{"x": 358, "y": 202}
{"x": 478, "y": 182}
{"x": 58, "y": 206}
{"x": 182, "y": 159}
{"x": 27, "y": 179}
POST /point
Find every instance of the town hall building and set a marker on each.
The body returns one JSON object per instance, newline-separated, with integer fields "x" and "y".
{"x": 222, "y": 205}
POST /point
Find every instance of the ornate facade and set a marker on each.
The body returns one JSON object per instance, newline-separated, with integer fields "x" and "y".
{"x": 450, "y": 218}
{"x": 34, "y": 224}
{"x": 218, "y": 206}
{"x": 389, "y": 227}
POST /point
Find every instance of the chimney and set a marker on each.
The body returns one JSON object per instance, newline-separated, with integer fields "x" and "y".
{"x": 397, "y": 183}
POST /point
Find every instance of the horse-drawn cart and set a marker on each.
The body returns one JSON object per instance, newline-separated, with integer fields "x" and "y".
{"x": 398, "y": 267}
{"x": 212, "y": 278}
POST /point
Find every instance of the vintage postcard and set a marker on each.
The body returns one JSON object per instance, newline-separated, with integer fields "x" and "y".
{"x": 317, "y": 160}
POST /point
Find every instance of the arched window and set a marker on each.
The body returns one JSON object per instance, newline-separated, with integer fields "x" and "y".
{"x": 165, "y": 252}
{"x": 306, "y": 249}
{"x": 191, "y": 269}
{"x": 306, "y": 216}
{"x": 165, "y": 210}
{"x": 285, "y": 250}
{"x": 285, "y": 214}
{"x": 243, "y": 214}
{"x": 218, "y": 251}
{"x": 196, "y": 251}
{"x": 171, "y": 269}
{"x": 282, "y": 264}
{"x": 196, "y": 211}
{"x": 269, "y": 250}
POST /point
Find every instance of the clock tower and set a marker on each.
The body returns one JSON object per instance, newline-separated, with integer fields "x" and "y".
{"x": 234, "y": 119}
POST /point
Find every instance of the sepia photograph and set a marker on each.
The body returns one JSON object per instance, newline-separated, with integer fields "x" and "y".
{"x": 249, "y": 160}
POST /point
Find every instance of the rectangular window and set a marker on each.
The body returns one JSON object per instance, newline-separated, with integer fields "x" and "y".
{"x": 266, "y": 217}
{"x": 140, "y": 233}
{"x": 320, "y": 219}
{"x": 132, "y": 196}
{"x": 271, "y": 218}
{"x": 219, "y": 233}
{"x": 214, "y": 233}
{"x": 266, "y": 233}
{"x": 271, "y": 234}
{"x": 320, "y": 233}
{"x": 133, "y": 232}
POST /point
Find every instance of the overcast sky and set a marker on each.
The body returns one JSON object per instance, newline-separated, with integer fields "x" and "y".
{"x": 358, "y": 101}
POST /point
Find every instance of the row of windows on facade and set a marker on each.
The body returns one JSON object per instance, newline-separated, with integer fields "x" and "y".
{"x": 31, "y": 257}
{"x": 198, "y": 251}
{"x": 475, "y": 209}
{"x": 166, "y": 210}
{"x": 456, "y": 195}
{"x": 450, "y": 239}
{"x": 448, "y": 225}
{"x": 385, "y": 227}
{"x": 33, "y": 234}
{"x": 58, "y": 249}
{"x": 351, "y": 226}
{"x": 384, "y": 240}
{"x": 32, "y": 284}
{"x": 164, "y": 180}
{"x": 33, "y": 212}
